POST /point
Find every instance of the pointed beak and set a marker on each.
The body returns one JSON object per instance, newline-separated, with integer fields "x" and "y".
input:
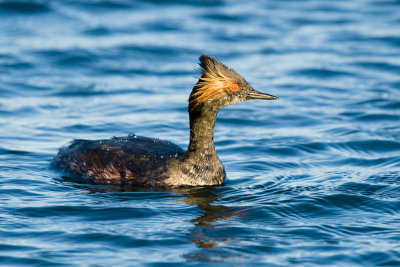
{"x": 254, "y": 94}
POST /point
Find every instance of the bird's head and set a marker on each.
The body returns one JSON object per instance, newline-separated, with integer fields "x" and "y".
{"x": 220, "y": 86}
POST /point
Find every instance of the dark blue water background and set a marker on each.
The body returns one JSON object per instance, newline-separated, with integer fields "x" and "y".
{"x": 313, "y": 178}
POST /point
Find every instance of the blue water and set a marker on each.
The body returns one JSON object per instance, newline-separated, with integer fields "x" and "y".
{"x": 313, "y": 178}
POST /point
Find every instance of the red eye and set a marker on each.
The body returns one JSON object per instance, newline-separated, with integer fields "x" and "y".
{"x": 234, "y": 87}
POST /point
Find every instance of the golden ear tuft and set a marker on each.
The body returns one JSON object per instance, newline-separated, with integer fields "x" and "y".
{"x": 216, "y": 81}
{"x": 212, "y": 85}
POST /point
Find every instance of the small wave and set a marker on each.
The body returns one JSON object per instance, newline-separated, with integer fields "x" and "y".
{"x": 24, "y": 7}
{"x": 85, "y": 213}
{"x": 188, "y": 2}
{"x": 16, "y": 260}
{"x": 80, "y": 91}
{"x": 154, "y": 50}
{"x": 381, "y": 66}
{"x": 102, "y": 4}
{"x": 387, "y": 162}
{"x": 67, "y": 57}
{"x": 226, "y": 17}
{"x": 378, "y": 117}
{"x": 349, "y": 202}
{"x": 392, "y": 105}
{"x": 360, "y": 188}
{"x": 98, "y": 31}
{"x": 369, "y": 146}
{"x": 321, "y": 73}
{"x": 390, "y": 178}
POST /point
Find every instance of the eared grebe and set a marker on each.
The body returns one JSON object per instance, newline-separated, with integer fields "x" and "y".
{"x": 144, "y": 161}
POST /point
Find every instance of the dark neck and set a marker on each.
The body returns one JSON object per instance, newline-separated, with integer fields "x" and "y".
{"x": 202, "y": 133}
{"x": 200, "y": 165}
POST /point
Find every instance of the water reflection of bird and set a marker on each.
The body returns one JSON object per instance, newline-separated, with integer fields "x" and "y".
{"x": 145, "y": 161}
{"x": 204, "y": 197}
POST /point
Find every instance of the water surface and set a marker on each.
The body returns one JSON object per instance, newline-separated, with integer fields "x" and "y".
{"x": 313, "y": 178}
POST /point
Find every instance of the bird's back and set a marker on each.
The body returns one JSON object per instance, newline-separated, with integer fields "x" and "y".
{"x": 119, "y": 160}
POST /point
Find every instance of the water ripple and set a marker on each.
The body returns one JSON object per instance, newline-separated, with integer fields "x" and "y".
{"x": 24, "y": 7}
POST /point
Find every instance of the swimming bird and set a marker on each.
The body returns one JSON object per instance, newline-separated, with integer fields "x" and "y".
{"x": 144, "y": 161}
